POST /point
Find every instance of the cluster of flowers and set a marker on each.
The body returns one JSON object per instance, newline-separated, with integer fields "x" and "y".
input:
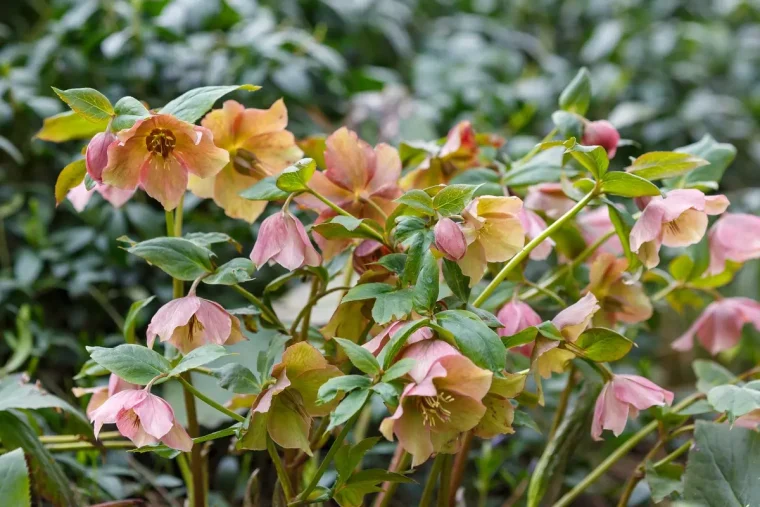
{"x": 445, "y": 393}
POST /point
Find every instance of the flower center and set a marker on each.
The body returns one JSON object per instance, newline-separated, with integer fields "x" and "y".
{"x": 432, "y": 408}
{"x": 161, "y": 141}
{"x": 195, "y": 328}
{"x": 673, "y": 227}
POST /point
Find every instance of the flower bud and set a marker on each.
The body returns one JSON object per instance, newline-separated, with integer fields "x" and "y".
{"x": 96, "y": 157}
{"x": 449, "y": 239}
{"x": 601, "y": 133}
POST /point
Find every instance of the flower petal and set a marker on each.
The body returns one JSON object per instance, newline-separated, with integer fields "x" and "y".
{"x": 174, "y": 314}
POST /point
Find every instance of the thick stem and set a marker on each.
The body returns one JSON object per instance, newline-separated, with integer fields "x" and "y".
{"x": 429, "y": 491}
{"x": 445, "y": 489}
{"x": 282, "y": 474}
{"x": 532, "y": 244}
{"x": 460, "y": 464}
{"x": 399, "y": 462}
{"x": 208, "y": 401}
{"x": 270, "y": 316}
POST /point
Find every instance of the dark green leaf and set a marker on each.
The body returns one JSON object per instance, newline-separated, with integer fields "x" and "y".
{"x": 265, "y": 190}
{"x": 359, "y": 356}
{"x": 523, "y": 337}
{"x": 576, "y": 96}
{"x": 343, "y": 384}
{"x": 603, "y": 345}
{"x": 366, "y": 291}
{"x": 393, "y": 262}
{"x": 399, "y": 369}
{"x": 231, "y": 273}
{"x": 133, "y": 363}
{"x": 452, "y": 199}
{"x": 238, "y": 379}
{"x": 419, "y": 200}
{"x": 347, "y": 408}
{"x": 178, "y": 257}
{"x": 416, "y": 255}
{"x": 425, "y": 291}
{"x": 664, "y": 480}
{"x": 388, "y": 354}
{"x": 191, "y": 105}
{"x": 549, "y": 330}
{"x": 342, "y": 227}
{"x": 128, "y": 111}
{"x": 476, "y": 340}
{"x": 392, "y": 306}
{"x": 199, "y": 357}
{"x": 130, "y": 321}
{"x": 593, "y": 158}
{"x": 456, "y": 280}
{"x": 17, "y": 395}
{"x": 621, "y": 221}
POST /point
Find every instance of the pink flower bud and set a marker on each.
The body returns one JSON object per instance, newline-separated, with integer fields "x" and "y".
{"x": 283, "y": 239}
{"x": 96, "y": 157}
{"x": 601, "y": 133}
{"x": 516, "y": 316}
{"x": 449, "y": 239}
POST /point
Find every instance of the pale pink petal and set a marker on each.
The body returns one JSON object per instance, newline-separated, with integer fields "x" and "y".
{"x": 716, "y": 204}
{"x": 217, "y": 323}
{"x": 384, "y": 182}
{"x": 174, "y": 314}
{"x": 534, "y": 225}
{"x": 116, "y": 385}
{"x": 177, "y": 438}
{"x": 516, "y": 316}
{"x": 156, "y": 415}
{"x": 648, "y": 227}
{"x": 640, "y": 392}
{"x": 734, "y": 237}
{"x": 109, "y": 411}
{"x": 427, "y": 353}
{"x": 118, "y": 197}
{"x": 310, "y": 255}
{"x": 270, "y": 240}
{"x": 96, "y": 156}
{"x": 609, "y": 413}
{"x": 574, "y": 319}
{"x": 79, "y": 196}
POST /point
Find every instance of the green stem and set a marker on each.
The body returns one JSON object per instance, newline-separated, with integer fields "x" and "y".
{"x": 675, "y": 454}
{"x": 227, "y": 432}
{"x": 563, "y": 401}
{"x": 187, "y": 475}
{"x": 78, "y": 446}
{"x": 364, "y": 227}
{"x": 443, "y": 493}
{"x": 267, "y": 312}
{"x": 621, "y": 451}
{"x": 208, "y": 401}
{"x": 282, "y": 475}
{"x": 663, "y": 292}
{"x": 523, "y": 254}
{"x": 435, "y": 471}
{"x": 312, "y": 302}
{"x": 59, "y": 439}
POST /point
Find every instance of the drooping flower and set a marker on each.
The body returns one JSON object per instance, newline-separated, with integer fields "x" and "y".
{"x": 190, "y": 322}
{"x": 624, "y": 396}
{"x": 734, "y": 237}
{"x": 549, "y": 198}
{"x": 96, "y": 156}
{"x": 449, "y": 239}
{"x": 517, "y": 316}
{"x": 601, "y": 133}
{"x": 680, "y": 219}
{"x": 720, "y": 326}
{"x": 443, "y": 400}
{"x": 534, "y": 225}
{"x": 621, "y": 299}
{"x": 574, "y": 319}
{"x": 359, "y": 179}
{"x": 376, "y": 344}
{"x": 259, "y": 146}
{"x": 596, "y": 223}
{"x": 157, "y": 153}
{"x": 142, "y": 417}
{"x": 101, "y": 393}
{"x": 79, "y": 196}
{"x": 283, "y": 239}
{"x": 285, "y": 409}
{"x": 499, "y": 409}
{"x": 493, "y": 233}
{"x": 366, "y": 254}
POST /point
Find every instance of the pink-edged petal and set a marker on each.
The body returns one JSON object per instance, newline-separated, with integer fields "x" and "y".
{"x": 648, "y": 227}
{"x": 449, "y": 239}
{"x": 156, "y": 415}
{"x": 426, "y": 353}
{"x": 164, "y": 179}
{"x": 270, "y": 239}
{"x": 125, "y": 162}
{"x": 217, "y": 323}
{"x": 574, "y": 319}
{"x": 79, "y": 197}
{"x": 348, "y": 160}
{"x": 387, "y": 172}
{"x": 117, "y": 197}
{"x": 203, "y": 158}
{"x": 174, "y": 314}
{"x": 716, "y": 204}
{"x": 516, "y": 316}
{"x": 310, "y": 255}
{"x": 685, "y": 230}
{"x": 609, "y": 413}
{"x": 640, "y": 392}
{"x": 177, "y": 438}
{"x": 109, "y": 411}
{"x": 116, "y": 385}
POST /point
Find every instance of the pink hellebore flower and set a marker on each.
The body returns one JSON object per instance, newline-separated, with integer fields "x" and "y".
{"x": 191, "y": 322}
{"x": 720, "y": 326}
{"x": 443, "y": 400}
{"x": 142, "y": 417}
{"x": 283, "y": 239}
{"x": 680, "y": 219}
{"x": 157, "y": 153}
{"x": 601, "y": 133}
{"x": 101, "y": 393}
{"x": 621, "y": 299}
{"x": 96, "y": 156}
{"x": 79, "y": 196}
{"x": 549, "y": 198}
{"x": 734, "y": 237}
{"x": 622, "y": 396}
{"x": 533, "y": 225}
{"x": 595, "y": 224}
{"x": 516, "y": 316}
{"x": 449, "y": 239}
{"x": 376, "y": 344}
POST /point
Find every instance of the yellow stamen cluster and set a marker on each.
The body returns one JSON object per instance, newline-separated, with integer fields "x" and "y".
{"x": 432, "y": 408}
{"x": 161, "y": 141}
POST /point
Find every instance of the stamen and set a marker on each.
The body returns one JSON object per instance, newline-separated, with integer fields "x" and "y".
{"x": 673, "y": 227}
{"x": 432, "y": 408}
{"x": 161, "y": 141}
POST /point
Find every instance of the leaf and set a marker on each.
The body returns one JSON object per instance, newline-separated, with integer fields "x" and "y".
{"x": 345, "y": 383}
{"x": 409, "y": 226}
{"x": 593, "y": 158}
{"x": 265, "y": 190}
{"x": 576, "y": 96}
{"x": 128, "y": 111}
{"x": 366, "y": 291}
{"x": 722, "y": 466}
{"x": 359, "y": 356}
{"x": 296, "y": 177}
{"x": 718, "y": 155}
{"x": 419, "y": 200}
{"x": 399, "y": 369}
{"x": 342, "y": 227}
{"x": 71, "y": 176}
{"x": 735, "y": 401}
{"x": 415, "y": 256}
{"x": 525, "y": 420}
{"x": 568, "y": 124}
{"x": 237, "y": 378}
{"x": 425, "y": 292}
{"x": 231, "y": 273}
{"x": 199, "y": 357}
{"x": 207, "y": 239}
{"x": 88, "y": 103}
{"x": 388, "y": 392}
{"x": 130, "y": 321}
{"x": 392, "y": 306}
{"x": 476, "y": 340}
{"x": 178, "y": 257}
{"x": 548, "y": 330}
{"x": 680, "y": 267}
{"x": 14, "y": 479}
{"x": 621, "y": 221}
{"x": 603, "y": 345}
{"x": 69, "y": 126}
{"x": 17, "y": 395}
{"x": 349, "y": 457}
{"x": 393, "y": 262}
{"x": 628, "y": 185}
{"x": 456, "y": 280}
{"x": 347, "y": 408}
{"x": 452, "y": 199}
{"x": 523, "y": 337}
{"x": 657, "y": 165}
{"x": 664, "y": 480}
{"x": 191, "y": 105}
{"x": 133, "y": 363}
{"x": 398, "y": 340}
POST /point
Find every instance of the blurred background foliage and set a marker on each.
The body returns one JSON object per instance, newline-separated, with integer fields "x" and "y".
{"x": 665, "y": 72}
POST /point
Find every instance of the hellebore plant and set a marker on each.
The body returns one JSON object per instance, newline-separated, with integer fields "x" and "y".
{"x": 418, "y": 251}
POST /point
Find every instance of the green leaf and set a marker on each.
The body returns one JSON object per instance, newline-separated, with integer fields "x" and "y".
{"x": 347, "y": 408}
{"x": 128, "y": 111}
{"x": 231, "y": 273}
{"x": 343, "y": 384}
{"x": 628, "y": 185}
{"x": 349, "y": 457}
{"x": 17, "y": 395}
{"x": 568, "y": 124}
{"x": 207, "y": 239}
{"x": 14, "y": 479}
{"x": 722, "y": 467}
{"x": 415, "y": 256}
{"x": 425, "y": 292}
{"x": 576, "y": 96}
{"x": 476, "y": 340}
{"x": 69, "y": 126}
{"x": 265, "y": 190}
{"x": 238, "y": 379}
{"x": 366, "y": 291}
{"x": 130, "y": 321}
{"x": 398, "y": 340}
{"x": 71, "y": 176}
{"x": 719, "y": 156}
{"x": 389, "y": 392}
{"x": 393, "y": 262}
{"x": 399, "y": 369}
{"x": 545, "y": 166}
{"x": 680, "y": 267}
{"x": 296, "y": 177}
{"x": 735, "y": 401}
{"x": 191, "y": 105}
{"x": 664, "y": 480}
{"x": 409, "y": 226}
{"x": 90, "y": 104}
{"x": 456, "y": 280}
{"x": 359, "y": 356}
{"x": 392, "y": 306}
{"x": 133, "y": 363}
{"x": 452, "y": 199}
{"x": 343, "y": 227}
{"x": 548, "y": 330}
{"x": 178, "y": 257}
{"x": 657, "y": 165}
{"x": 199, "y": 357}
{"x": 523, "y": 337}
{"x": 593, "y": 158}
{"x": 419, "y": 200}
{"x": 603, "y": 345}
